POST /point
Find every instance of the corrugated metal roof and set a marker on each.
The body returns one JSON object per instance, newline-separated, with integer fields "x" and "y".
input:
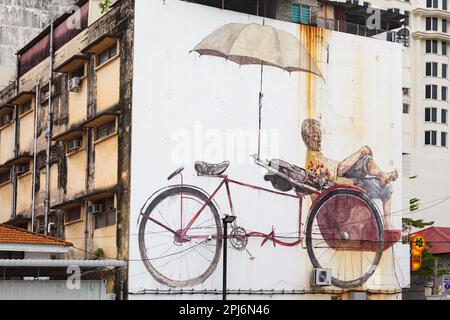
{"x": 62, "y": 263}
{"x": 439, "y": 237}
{"x": 9, "y": 234}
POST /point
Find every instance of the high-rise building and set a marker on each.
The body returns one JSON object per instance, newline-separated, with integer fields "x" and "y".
{"x": 426, "y": 154}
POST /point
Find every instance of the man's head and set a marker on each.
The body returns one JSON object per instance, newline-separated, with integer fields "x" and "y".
{"x": 312, "y": 134}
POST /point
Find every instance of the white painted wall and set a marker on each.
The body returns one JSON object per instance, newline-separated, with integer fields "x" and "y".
{"x": 183, "y": 102}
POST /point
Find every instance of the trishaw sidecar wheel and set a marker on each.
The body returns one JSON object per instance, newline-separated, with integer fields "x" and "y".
{"x": 344, "y": 233}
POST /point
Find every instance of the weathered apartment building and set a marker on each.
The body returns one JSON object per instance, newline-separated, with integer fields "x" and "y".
{"x": 65, "y": 123}
{"x": 64, "y": 132}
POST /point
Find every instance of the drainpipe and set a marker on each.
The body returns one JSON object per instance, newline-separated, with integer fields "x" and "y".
{"x": 16, "y": 151}
{"x": 86, "y": 230}
{"x": 13, "y": 168}
{"x": 33, "y": 194}
{"x": 49, "y": 135}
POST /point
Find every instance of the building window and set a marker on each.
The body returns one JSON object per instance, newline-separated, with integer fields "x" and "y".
{"x": 407, "y": 15}
{"x": 444, "y": 47}
{"x": 22, "y": 169}
{"x": 431, "y": 114}
{"x": 73, "y": 214}
{"x": 430, "y": 138}
{"x": 107, "y": 54}
{"x": 301, "y": 13}
{"x": 25, "y": 108}
{"x": 390, "y": 36}
{"x": 444, "y": 91}
{"x": 444, "y": 4}
{"x": 431, "y": 24}
{"x": 431, "y": 46}
{"x": 444, "y": 70}
{"x": 431, "y": 69}
{"x": 5, "y": 177}
{"x": 405, "y": 108}
{"x": 405, "y": 91}
{"x": 12, "y": 255}
{"x": 444, "y": 25}
{"x": 80, "y": 72}
{"x": 394, "y": 10}
{"x": 444, "y": 113}
{"x": 406, "y": 164}
{"x": 108, "y": 216}
{"x": 105, "y": 130}
{"x": 74, "y": 145}
{"x": 432, "y": 3}
{"x": 40, "y": 225}
{"x": 431, "y": 91}
{"x": 6, "y": 119}
{"x": 443, "y": 139}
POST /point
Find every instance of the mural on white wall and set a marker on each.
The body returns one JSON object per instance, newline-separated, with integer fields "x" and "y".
{"x": 330, "y": 212}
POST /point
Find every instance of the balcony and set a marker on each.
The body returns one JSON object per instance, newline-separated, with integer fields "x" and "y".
{"x": 431, "y": 35}
{"x": 345, "y": 17}
{"x": 347, "y": 27}
{"x": 431, "y": 12}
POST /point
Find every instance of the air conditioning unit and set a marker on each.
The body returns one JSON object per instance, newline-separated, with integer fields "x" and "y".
{"x": 321, "y": 277}
{"x": 74, "y": 144}
{"x": 74, "y": 84}
{"x": 21, "y": 169}
{"x": 95, "y": 208}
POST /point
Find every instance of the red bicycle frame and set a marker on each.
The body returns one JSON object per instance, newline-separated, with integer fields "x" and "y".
{"x": 266, "y": 237}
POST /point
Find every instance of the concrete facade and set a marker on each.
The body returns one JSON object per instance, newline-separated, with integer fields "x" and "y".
{"x": 21, "y": 21}
{"x": 95, "y": 117}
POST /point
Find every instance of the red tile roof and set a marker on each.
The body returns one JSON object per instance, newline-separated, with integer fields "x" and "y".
{"x": 9, "y": 234}
{"x": 439, "y": 237}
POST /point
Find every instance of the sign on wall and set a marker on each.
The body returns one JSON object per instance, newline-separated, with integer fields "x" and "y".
{"x": 446, "y": 284}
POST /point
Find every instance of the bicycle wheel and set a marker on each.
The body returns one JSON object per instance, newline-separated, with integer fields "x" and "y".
{"x": 172, "y": 259}
{"x": 344, "y": 233}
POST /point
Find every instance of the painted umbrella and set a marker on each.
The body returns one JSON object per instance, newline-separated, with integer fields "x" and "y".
{"x": 255, "y": 44}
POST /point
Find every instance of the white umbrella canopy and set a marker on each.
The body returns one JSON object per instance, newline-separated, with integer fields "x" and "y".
{"x": 247, "y": 44}
{"x": 255, "y": 44}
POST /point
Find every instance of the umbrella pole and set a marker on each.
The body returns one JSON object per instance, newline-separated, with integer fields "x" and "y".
{"x": 260, "y": 111}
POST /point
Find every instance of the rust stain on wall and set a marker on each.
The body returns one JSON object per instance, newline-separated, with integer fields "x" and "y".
{"x": 315, "y": 41}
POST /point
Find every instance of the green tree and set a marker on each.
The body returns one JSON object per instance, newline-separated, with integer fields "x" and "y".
{"x": 104, "y": 6}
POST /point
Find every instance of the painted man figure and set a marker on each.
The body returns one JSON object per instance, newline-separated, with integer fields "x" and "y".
{"x": 359, "y": 167}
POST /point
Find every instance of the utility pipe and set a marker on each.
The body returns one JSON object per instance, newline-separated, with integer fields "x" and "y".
{"x": 49, "y": 135}
{"x": 33, "y": 194}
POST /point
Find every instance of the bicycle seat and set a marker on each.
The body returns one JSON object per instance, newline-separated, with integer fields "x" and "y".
{"x": 211, "y": 169}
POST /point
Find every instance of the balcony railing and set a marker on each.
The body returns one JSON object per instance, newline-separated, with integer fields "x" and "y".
{"x": 347, "y": 27}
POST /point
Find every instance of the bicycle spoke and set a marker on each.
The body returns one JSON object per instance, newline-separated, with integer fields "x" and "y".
{"x": 164, "y": 218}
{"x": 202, "y": 255}
{"x": 160, "y": 245}
{"x": 206, "y": 222}
{"x": 351, "y": 262}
